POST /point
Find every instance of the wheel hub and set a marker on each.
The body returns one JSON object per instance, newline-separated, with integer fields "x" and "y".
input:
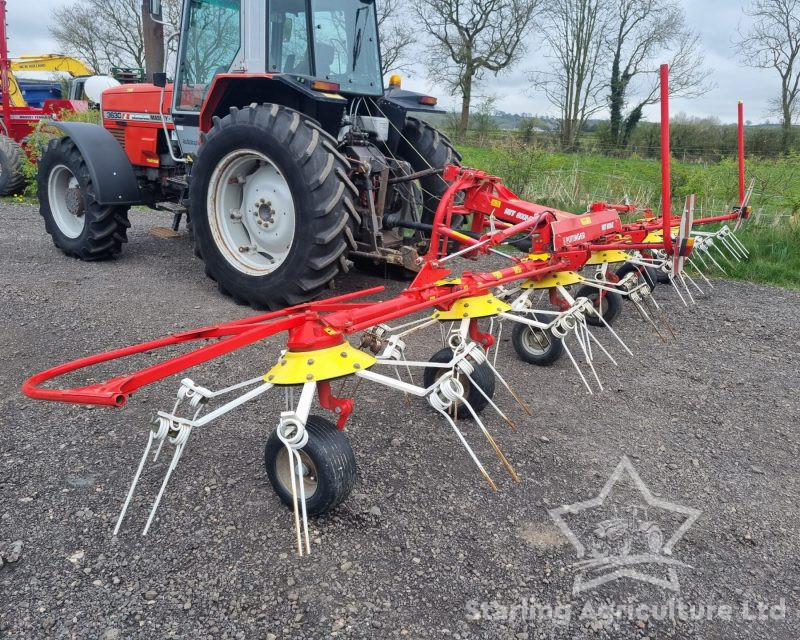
{"x": 74, "y": 201}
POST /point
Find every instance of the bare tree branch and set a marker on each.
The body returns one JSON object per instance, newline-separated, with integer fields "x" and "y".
{"x": 471, "y": 37}
{"x": 396, "y": 36}
{"x": 772, "y": 41}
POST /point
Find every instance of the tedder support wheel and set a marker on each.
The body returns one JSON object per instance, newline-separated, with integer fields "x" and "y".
{"x": 650, "y": 275}
{"x": 79, "y": 226}
{"x": 483, "y": 377}
{"x": 536, "y": 346}
{"x": 12, "y": 180}
{"x": 269, "y": 198}
{"x": 423, "y": 147}
{"x": 329, "y": 467}
{"x": 607, "y": 304}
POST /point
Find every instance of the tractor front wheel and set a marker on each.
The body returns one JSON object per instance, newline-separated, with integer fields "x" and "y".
{"x": 268, "y": 199}
{"x": 79, "y": 226}
{"x": 329, "y": 467}
{"x": 12, "y": 180}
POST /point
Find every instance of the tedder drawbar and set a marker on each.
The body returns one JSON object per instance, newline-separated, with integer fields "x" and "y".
{"x": 308, "y": 459}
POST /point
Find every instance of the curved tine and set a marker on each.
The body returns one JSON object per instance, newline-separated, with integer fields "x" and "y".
{"x": 513, "y": 393}
{"x": 675, "y": 286}
{"x": 304, "y": 513}
{"x": 135, "y": 481}
{"x": 465, "y": 444}
{"x": 646, "y": 317}
{"x": 577, "y": 368}
{"x": 510, "y": 422}
{"x": 702, "y": 275}
{"x": 491, "y": 441}
{"x": 707, "y": 251}
{"x": 682, "y": 277}
{"x": 600, "y": 346}
{"x": 174, "y": 463}
{"x": 725, "y": 237}
{"x": 497, "y": 341}
{"x": 740, "y": 244}
{"x": 588, "y": 360}
{"x": 723, "y": 254}
{"x": 295, "y": 510}
{"x": 611, "y": 330}
{"x": 689, "y": 278}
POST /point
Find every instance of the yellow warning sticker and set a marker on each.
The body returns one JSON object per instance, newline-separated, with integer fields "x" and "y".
{"x": 495, "y": 202}
{"x": 586, "y": 220}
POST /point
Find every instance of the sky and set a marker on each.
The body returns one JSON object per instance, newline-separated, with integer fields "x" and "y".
{"x": 716, "y": 20}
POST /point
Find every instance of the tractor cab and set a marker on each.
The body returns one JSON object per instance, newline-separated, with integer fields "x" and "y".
{"x": 332, "y": 41}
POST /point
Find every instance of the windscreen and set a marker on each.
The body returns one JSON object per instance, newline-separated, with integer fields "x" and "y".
{"x": 211, "y": 41}
{"x": 343, "y": 49}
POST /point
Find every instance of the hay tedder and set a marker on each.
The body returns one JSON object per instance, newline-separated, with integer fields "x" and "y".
{"x": 584, "y": 263}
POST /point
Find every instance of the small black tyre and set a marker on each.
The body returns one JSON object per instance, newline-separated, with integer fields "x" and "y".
{"x": 536, "y": 346}
{"x": 78, "y": 224}
{"x": 607, "y": 304}
{"x": 482, "y": 375}
{"x": 648, "y": 273}
{"x": 270, "y": 200}
{"x": 329, "y": 467}
{"x": 423, "y": 147}
{"x": 12, "y": 180}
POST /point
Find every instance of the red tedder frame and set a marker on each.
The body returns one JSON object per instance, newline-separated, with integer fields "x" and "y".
{"x": 497, "y": 214}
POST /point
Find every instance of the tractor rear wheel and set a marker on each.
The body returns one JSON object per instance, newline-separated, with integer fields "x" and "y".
{"x": 424, "y": 147}
{"x": 79, "y": 225}
{"x": 268, "y": 199}
{"x": 12, "y": 180}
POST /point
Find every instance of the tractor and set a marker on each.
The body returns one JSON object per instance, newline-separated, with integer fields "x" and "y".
{"x": 276, "y": 141}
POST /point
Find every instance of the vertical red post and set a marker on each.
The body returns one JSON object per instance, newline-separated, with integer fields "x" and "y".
{"x": 740, "y": 142}
{"x": 5, "y": 66}
{"x": 666, "y": 190}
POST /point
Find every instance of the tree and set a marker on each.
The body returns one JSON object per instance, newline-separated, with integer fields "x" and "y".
{"x": 105, "y": 33}
{"x": 574, "y": 30}
{"x": 471, "y": 37}
{"x": 772, "y": 41}
{"x": 396, "y": 37}
{"x": 642, "y": 34}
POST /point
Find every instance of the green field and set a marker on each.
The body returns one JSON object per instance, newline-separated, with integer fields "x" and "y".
{"x": 571, "y": 181}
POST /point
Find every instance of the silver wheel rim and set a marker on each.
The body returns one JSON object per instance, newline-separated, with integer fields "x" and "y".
{"x": 251, "y": 212}
{"x": 284, "y": 472}
{"x": 66, "y": 201}
{"x": 536, "y": 341}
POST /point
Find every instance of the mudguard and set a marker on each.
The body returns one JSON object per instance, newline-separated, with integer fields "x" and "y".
{"x": 112, "y": 175}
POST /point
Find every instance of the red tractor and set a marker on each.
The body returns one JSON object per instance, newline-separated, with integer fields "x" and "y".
{"x": 278, "y": 142}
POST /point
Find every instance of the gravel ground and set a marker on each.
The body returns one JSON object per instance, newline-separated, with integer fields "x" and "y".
{"x": 422, "y": 548}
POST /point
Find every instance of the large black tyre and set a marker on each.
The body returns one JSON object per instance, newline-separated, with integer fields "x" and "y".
{"x": 536, "y": 346}
{"x": 12, "y": 180}
{"x": 79, "y": 226}
{"x": 483, "y": 377}
{"x": 423, "y": 147}
{"x": 298, "y": 152}
{"x": 649, "y": 274}
{"x": 606, "y": 303}
{"x": 328, "y": 459}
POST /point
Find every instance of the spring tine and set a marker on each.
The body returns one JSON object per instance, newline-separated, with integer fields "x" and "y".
{"x": 740, "y": 244}
{"x": 689, "y": 278}
{"x": 513, "y": 393}
{"x": 646, "y": 317}
{"x": 295, "y": 510}
{"x": 399, "y": 377}
{"x": 183, "y": 436}
{"x": 298, "y": 471}
{"x": 722, "y": 253}
{"x": 702, "y": 275}
{"x": 675, "y": 286}
{"x": 492, "y": 442}
{"x": 497, "y": 342}
{"x": 686, "y": 287}
{"x": 731, "y": 249}
{"x": 510, "y": 422}
{"x": 600, "y": 346}
{"x": 717, "y": 264}
{"x": 471, "y": 453}
{"x": 589, "y": 362}
{"x": 577, "y": 368}
{"x": 612, "y": 332}
{"x": 136, "y": 476}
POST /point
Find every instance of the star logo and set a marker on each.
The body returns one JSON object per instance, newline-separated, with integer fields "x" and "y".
{"x": 621, "y": 533}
